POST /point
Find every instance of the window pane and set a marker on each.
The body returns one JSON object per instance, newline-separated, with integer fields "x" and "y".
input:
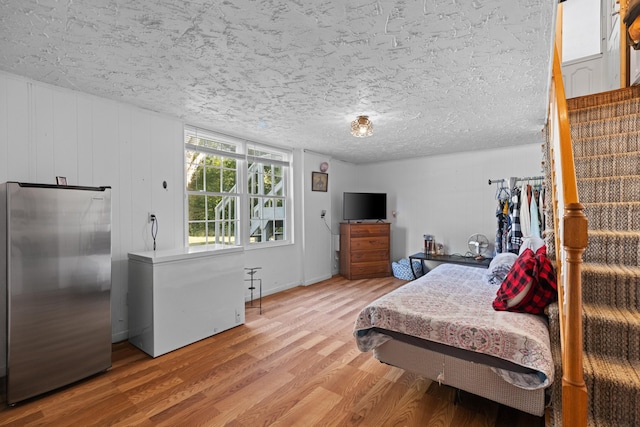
{"x": 197, "y": 233}
{"x": 254, "y": 178}
{"x": 263, "y": 154}
{"x": 254, "y": 207}
{"x": 231, "y": 207}
{"x": 230, "y": 232}
{"x": 197, "y": 209}
{"x": 256, "y": 232}
{"x": 215, "y": 207}
{"x": 278, "y": 186}
{"x": 268, "y": 211}
{"x": 194, "y": 171}
{"x": 279, "y": 230}
{"x": 195, "y": 182}
{"x": 212, "y": 177}
{"x": 194, "y": 158}
{"x": 267, "y": 180}
{"x": 228, "y": 180}
{"x": 210, "y": 143}
{"x": 216, "y": 234}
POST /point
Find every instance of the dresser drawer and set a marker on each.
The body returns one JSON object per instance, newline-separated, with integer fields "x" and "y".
{"x": 369, "y": 269}
{"x": 364, "y": 256}
{"x": 365, "y": 230}
{"x": 369, "y": 243}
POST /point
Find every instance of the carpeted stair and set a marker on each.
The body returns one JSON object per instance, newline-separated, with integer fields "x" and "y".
{"x": 605, "y": 129}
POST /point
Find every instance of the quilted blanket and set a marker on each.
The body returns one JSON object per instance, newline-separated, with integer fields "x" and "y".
{"x": 452, "y": 305}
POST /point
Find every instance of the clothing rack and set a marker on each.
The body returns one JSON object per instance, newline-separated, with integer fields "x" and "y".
{"x": 526, "y": 178}
{"x": 519, "y": 213}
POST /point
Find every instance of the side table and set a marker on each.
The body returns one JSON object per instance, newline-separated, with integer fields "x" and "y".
{"x": 451, "y": 259}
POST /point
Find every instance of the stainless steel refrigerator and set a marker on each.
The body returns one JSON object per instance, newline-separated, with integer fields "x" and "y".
{"x": 55, "y": 294}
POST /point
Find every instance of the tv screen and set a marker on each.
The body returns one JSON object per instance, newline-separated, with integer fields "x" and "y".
{"x": 363, "y": 206}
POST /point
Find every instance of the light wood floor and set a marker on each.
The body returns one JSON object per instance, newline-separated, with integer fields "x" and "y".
{"x": 296, "y": 364}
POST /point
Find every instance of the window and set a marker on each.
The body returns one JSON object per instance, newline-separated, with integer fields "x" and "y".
{"x": 236, "y": 191}
{"x": 267, "y": 195}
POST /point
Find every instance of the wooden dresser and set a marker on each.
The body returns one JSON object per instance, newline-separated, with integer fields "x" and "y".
{"x": 364, "y": 250}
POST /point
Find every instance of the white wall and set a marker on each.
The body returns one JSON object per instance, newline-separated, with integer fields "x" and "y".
{"x": 317, "y": 234}
{"x": 447, "y": 196}
{"x": 345, "y": 177}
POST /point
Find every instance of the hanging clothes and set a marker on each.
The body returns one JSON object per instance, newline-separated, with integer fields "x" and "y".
{"x": 525, "y": 213}
{"x": 535, "y": 219}
{"x": 515, "y": 232}
{"x": 541, "y": 208}
{"x": 507, "y": 226}
{"x": 520, "y": 212}
{"x": 502, "y": 226}
{"x": 502, "y": 218}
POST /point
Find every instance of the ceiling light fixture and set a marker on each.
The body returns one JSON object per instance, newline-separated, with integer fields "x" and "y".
{"x": 361, "y": 127}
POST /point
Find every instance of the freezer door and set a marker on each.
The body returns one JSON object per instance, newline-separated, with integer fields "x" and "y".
{"x": 59, "y": 284}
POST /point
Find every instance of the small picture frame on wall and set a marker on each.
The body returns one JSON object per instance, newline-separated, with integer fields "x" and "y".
{"x": 319, "y": 181}
{"x": 61, "y": 180}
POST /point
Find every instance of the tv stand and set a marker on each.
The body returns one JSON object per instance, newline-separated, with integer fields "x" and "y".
{"x": 364, "y": 250}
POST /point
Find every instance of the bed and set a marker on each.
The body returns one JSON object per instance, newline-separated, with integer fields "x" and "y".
{"x": 443, "y": 326}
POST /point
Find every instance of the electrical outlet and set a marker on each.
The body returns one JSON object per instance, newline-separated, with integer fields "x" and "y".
{"x": 323, "y": 213}
{"x": 152, "y": 217}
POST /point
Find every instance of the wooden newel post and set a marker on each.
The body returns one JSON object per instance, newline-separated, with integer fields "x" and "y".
{"x": 574, "y": 390}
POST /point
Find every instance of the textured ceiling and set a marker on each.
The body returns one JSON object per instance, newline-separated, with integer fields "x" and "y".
{"x": 435, "y": 76}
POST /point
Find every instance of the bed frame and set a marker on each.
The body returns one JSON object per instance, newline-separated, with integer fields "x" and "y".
{"x": 472, "y": 377}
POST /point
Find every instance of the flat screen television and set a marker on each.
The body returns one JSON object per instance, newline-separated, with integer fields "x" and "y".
{"x": 364, "y": 206}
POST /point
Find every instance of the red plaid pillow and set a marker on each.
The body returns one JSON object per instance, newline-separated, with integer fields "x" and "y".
{"x": 530, "y": 285}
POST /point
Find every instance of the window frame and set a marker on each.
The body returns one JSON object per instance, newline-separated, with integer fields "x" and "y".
{"x": 243, "y": 158}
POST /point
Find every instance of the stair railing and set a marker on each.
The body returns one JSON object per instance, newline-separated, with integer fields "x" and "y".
{"x": 571, "y": 241}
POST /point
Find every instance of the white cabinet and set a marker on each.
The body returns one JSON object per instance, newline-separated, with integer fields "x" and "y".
{"x": 180, "y": 296}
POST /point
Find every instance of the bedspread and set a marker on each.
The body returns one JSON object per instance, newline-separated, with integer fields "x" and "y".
{"x": 452, "y": 305}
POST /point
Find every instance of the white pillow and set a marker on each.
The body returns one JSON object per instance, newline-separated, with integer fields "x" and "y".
{"x": 499, "y": 267}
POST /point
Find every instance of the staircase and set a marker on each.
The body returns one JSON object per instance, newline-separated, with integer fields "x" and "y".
{"x": 605, "y": 129}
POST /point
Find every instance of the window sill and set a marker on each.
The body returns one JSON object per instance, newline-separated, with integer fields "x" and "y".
{"x": 266, "y": 245}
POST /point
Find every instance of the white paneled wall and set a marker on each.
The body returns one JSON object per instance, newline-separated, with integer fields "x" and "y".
{"x": 46, "y": 131}
{"x": 15, "y": 132}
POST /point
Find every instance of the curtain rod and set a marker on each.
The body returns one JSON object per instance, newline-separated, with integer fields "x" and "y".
{"x": 526, "y": 178}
